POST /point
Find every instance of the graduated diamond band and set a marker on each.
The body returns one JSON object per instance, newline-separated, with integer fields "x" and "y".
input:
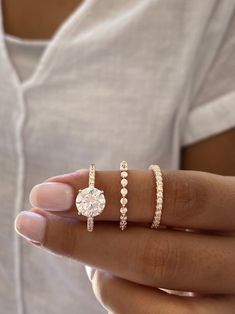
{"x": 124, "y": 191}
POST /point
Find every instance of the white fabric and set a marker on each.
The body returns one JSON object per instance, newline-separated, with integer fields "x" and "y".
{"x": 132, "y": 80}
{"x": 24, "y": 54}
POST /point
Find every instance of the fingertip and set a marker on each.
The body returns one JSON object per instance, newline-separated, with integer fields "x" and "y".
{"x": 31, "y": 226}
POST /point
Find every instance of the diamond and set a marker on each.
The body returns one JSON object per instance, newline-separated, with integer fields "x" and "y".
{"x": 124, "y": 191}
{"x": 123, "y": 224}
{"x": 159, "y": 200}
{"x": 124, "y": 174}
{"x": 123, "y": 210}
{"x": 124, "y": 182}
{"x": 123, "y": 201}
{"x": 90, "y": 202}
{"x": 123, "y": 165}
{"x": 90, "y": 224}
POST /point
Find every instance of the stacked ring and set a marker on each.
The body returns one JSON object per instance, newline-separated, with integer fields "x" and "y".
{"x": 159, "y": 195}
{"x": 124, "y": 191}
{"x": 90, "y": 202}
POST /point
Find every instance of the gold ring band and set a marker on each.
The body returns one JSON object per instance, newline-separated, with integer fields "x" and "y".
{"x": 159, "y": 195}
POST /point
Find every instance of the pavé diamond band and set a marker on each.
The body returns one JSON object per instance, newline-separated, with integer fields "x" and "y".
{"x": 90, "y": 202}
{"x": 159, "y": 195}
{"x": 124, "y": 191}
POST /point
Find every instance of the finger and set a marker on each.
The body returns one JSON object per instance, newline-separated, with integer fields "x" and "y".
{"x": 163, "y": 258}
{"x": 121, "y": 296}
{"x": 192, "y": 199}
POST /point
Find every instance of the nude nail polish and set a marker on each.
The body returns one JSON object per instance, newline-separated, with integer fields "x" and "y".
{"x": 31, "y": 226}
{"x": 52, "y": 196}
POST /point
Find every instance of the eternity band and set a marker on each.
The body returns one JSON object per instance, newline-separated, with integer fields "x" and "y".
{"x": 159, "y": 196}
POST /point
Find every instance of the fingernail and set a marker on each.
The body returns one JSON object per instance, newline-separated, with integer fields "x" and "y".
{"x": 90, "y": 272}
{"x": 31, "y": 226}
{"x": 52, "y": 196}
{"x": 81, "y": 170}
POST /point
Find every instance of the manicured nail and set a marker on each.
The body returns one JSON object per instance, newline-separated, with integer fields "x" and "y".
{"x": 90, "y": 272}
{"x": 52, "y": 196}
{"x": 31, "y": 226}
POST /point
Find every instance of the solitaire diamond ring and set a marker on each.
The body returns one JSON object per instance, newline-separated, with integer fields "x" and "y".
{"x": 90, "y": 202}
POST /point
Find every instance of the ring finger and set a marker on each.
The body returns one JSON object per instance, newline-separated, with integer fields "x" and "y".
{"x": 194, "y": 200}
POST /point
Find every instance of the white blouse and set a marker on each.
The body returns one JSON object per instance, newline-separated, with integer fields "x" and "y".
{"x": 24, "y": 54}
{"x": 120, "y": 80}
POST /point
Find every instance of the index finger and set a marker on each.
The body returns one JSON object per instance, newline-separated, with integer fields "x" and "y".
{"x": 192, "y": 199}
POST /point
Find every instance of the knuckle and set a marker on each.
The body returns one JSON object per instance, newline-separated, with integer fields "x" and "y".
{"x": 189, "y": 194}
{"x": 160, "y": 260}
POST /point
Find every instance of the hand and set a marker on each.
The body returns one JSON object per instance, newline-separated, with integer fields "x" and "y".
{"x": 132, "y": 265}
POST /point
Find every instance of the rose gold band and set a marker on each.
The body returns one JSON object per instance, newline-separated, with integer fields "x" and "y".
{"x": 159, "y": 195}
{"x": 92, "y": 176}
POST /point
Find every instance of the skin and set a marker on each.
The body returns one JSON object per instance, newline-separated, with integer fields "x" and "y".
{"x": 140, "y": 259}
{"x": 40, "y": 23}
{"x": 143, "y": 260}
{"x": 216, "y": 154}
